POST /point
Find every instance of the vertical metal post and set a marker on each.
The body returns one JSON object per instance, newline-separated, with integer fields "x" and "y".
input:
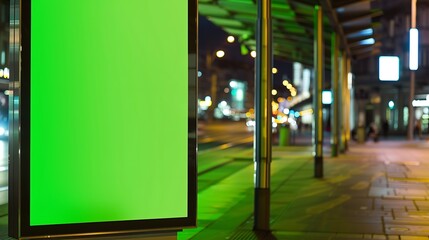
{"x": 413, "y": 13}
{"x": 410, "y": 134}
{"x": 14, "y": 205}
{"x": 341, "y": 121}
{"x": 335, "y": 100}
{"x": 317, "y": 92}
{"x": 263, "y": 115}
{"x": 347, "y": 105}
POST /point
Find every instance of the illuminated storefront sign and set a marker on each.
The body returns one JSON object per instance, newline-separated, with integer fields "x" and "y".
{"x": 388, "y": 68}
{"x": 5, "y": 73}
{"x": 421, "y": 103}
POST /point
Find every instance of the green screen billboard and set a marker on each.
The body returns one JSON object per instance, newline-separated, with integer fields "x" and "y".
{"x": 105, "y": 112}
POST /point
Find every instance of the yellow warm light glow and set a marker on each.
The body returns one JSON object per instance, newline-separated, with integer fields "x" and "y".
{"x": 230, "y": 39}
{"x": 289, "y": 86}
{"x": 306, "y": 112}
{"x": 220, "y": 54}
{"x": 285, "y": 82}
{"x": 275, "y": 70}
{"x": 274, "y": 92}
{"x": 253, "y": 54}
{"x": 275, "y": 106}
{"x": 205, "y": 103}
{"x": 5, "y": 73}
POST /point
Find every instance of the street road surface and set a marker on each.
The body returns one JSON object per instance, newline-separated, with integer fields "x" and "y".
{"x": 223, "y": 134}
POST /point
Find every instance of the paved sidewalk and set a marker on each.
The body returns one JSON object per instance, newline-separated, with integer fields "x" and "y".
{"x": 374, "y": 191}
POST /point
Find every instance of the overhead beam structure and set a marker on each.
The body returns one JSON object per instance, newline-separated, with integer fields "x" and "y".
{"x": 335, "y": 22}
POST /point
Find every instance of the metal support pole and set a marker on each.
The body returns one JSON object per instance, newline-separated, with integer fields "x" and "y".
{"x": 341, "y": 121}
{"x": 335, "y": 99}
{"x": 317, "y": 92}
{"x": 263, "y": 115}
{"x": 410, "y": 134}
{"x": 347, "y": 104}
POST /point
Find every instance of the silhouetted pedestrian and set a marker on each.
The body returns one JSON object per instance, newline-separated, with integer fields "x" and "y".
{"x": 418, "y": 129}
{"x": 372, "y": 132}
{"x": 385, "y": 128}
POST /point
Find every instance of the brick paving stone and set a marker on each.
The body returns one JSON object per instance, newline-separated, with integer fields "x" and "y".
{"x": 387, "y": 204}
{"x": 407, "y": 226}
{"x": 410, "y": 192}
{"x": 422, "y": 205}
{"x": 414, "y": 214}
{"x": 379, "y": 182}
{"x": 381, "y": 192}
{"x": 346, "y": 226}
{"x": 392, "y": 168}
{"x": 410, "y": 197}
{"x": 398, "y": 176}
{"x": 394, "y": 197}
{"x": 419, "y": 173}
{"x": 379, "y": 236}
{"x": 366, "y": 216}
{"x": 347, "y": 236}
{"x": 414, "y": 238}
{"x": 407, "y": 185}
{"x": 393, "y": 237}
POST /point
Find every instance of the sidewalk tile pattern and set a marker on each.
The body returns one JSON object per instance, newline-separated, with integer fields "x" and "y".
{"x": 373, "y": 191}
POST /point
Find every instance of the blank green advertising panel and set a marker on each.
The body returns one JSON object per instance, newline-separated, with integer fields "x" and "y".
{"x": 108, "y": 111}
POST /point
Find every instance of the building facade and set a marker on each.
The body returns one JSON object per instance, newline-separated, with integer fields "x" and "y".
{"x": 387, "y": 101}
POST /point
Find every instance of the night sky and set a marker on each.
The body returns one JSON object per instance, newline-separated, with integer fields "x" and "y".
{"x": 212, "y": 38}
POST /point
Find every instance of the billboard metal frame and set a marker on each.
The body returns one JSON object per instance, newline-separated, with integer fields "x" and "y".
{"x": 19, "y": 196}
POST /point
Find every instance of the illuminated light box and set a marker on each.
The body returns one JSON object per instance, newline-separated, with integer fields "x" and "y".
{"x": 327, "y": 97}
{"x": 421, "y": 103}
{"x": 388, "y": 68}
{"x": 414, "y": 49}
{"x": 108, "y": 117}
{"x": 4, "y": 73}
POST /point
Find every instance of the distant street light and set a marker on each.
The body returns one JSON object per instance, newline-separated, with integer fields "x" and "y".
{"x": 220, "y": 54}
{"x": 274, "y": 92}
{"x": 285, "y": 82}
{"x": 253, "y": 54}
{"x": 275, "y": 70}
{"x": 231, "y": 39}
{"x": 391, "y": 104}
